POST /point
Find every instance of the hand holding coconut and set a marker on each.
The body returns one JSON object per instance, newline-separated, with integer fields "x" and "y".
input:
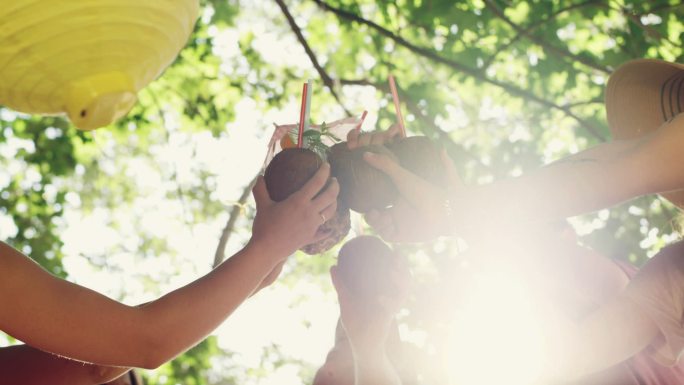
{"x": 356, "y": 138}
{"x": 285, "y": 226}
{"x": 422, "y": 210}
{"x": 114, "y": 334}
{"x": 371, "y": 282}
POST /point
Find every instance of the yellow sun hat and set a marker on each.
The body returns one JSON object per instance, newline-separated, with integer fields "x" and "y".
{"x": 87, "y": 58}
{"x": 641, "y": 96}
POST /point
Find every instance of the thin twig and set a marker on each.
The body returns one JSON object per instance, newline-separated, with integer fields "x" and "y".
{"x": 585, "y": 102}
{"x": 666, "y": 7}
{"x": 636, "y": 19}
{"x": 327, "y": 80}
{"x": 220, "y": 254}
{"x": 472, "y": 72}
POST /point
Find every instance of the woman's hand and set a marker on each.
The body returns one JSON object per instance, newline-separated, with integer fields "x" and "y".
{"x": 356, "y": 139}
{"x": 422, "y": 211}
{"x": 280, "y": 228}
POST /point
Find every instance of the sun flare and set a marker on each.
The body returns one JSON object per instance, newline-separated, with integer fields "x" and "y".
{"x": 497, "y": 335}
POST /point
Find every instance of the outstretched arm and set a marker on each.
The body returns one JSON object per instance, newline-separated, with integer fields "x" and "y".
{"x": 614, "y": 333}
{"x": 649, "y": 312}
{"x": 597, "y": 178}
{"x": 66, "y": 319}
{"x": 593, "y": 179}
{"x": 22, "y": 364}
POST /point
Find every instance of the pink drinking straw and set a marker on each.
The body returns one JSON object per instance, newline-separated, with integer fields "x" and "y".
{"x": 363, "y": 117}
{"x": 397, "y": 108}
{"x": 302, "y": 116}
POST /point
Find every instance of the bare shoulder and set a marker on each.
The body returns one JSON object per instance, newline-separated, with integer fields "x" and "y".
{"x": 675, "y": 250}
{"x": 669, "y": 259}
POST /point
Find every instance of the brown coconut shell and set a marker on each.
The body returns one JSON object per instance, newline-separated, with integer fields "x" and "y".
{"x": 421, "y": 156}
{"x": 362, "y": 187}
{"x": 288, "y": 172}
{"x": 363, "y": 266}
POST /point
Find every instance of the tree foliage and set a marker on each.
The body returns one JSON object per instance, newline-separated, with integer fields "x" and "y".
{"x": 505, "y": 86}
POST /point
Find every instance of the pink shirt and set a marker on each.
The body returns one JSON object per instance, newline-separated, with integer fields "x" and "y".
{"x": 658, "y": 289}
{"x": 645, "y": 368}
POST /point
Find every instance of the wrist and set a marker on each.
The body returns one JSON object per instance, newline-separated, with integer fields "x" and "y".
{"x": 267, "y": 253}
{"x": 368, "y": 350}
{"x": 368, "y": 346}
{"x": 375, "y": 368}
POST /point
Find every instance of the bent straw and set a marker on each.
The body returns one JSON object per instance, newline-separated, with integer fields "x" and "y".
{"x": 302, "y": 114}
{"x": 363, "y": 117}
{"x": 397, "y": 108}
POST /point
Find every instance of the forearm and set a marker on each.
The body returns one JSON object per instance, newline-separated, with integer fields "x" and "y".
{"x": 597, "y": 178}
{"x": 558, "y": 191}
{"x": 605, "y": 338}
{"x": 53, "y": 314}
{"x": 193, "y": 312}
{"x": 25, "y": 365}
{"x": 372, "y": 367}
{"x": 589, "y": 279}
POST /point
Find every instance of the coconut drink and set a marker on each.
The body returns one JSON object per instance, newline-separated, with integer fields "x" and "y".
{"x": 363, "y": 264}
{"x": 288, "y": 172}
{"x": 362, "y": 187}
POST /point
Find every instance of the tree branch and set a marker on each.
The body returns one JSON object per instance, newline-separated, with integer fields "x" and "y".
{"x": 586, "y": 102}
{"x": 532, "y": 27}
{"x": 327, "y": 80}
{"x": 666, "y": 7}
{"x": 472, "y": 72}
{"x": 651, "y": 32}
{"x": 220, "y": 254}
{"x": 558, "y": 51}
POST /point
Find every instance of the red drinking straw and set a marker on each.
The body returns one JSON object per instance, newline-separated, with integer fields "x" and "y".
{"x": 397, "y": 108}
{"x": 363, "y": 117}
{"x": 302, "y": 116}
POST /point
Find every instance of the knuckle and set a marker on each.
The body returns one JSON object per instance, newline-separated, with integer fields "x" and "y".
{"x": 333, "y": 190}
{"x": 299, "y": 203}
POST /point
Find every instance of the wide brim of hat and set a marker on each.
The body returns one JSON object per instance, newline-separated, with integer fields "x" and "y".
{"x": 641, "y": 96}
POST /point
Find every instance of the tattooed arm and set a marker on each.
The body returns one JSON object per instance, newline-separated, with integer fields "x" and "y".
{"x": 597, "y": 178}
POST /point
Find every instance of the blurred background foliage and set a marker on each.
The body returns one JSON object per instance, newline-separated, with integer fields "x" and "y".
{"x": 505, "y": 86}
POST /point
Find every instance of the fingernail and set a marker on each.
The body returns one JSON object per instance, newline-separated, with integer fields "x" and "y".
{"x": 369, "y": 155}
